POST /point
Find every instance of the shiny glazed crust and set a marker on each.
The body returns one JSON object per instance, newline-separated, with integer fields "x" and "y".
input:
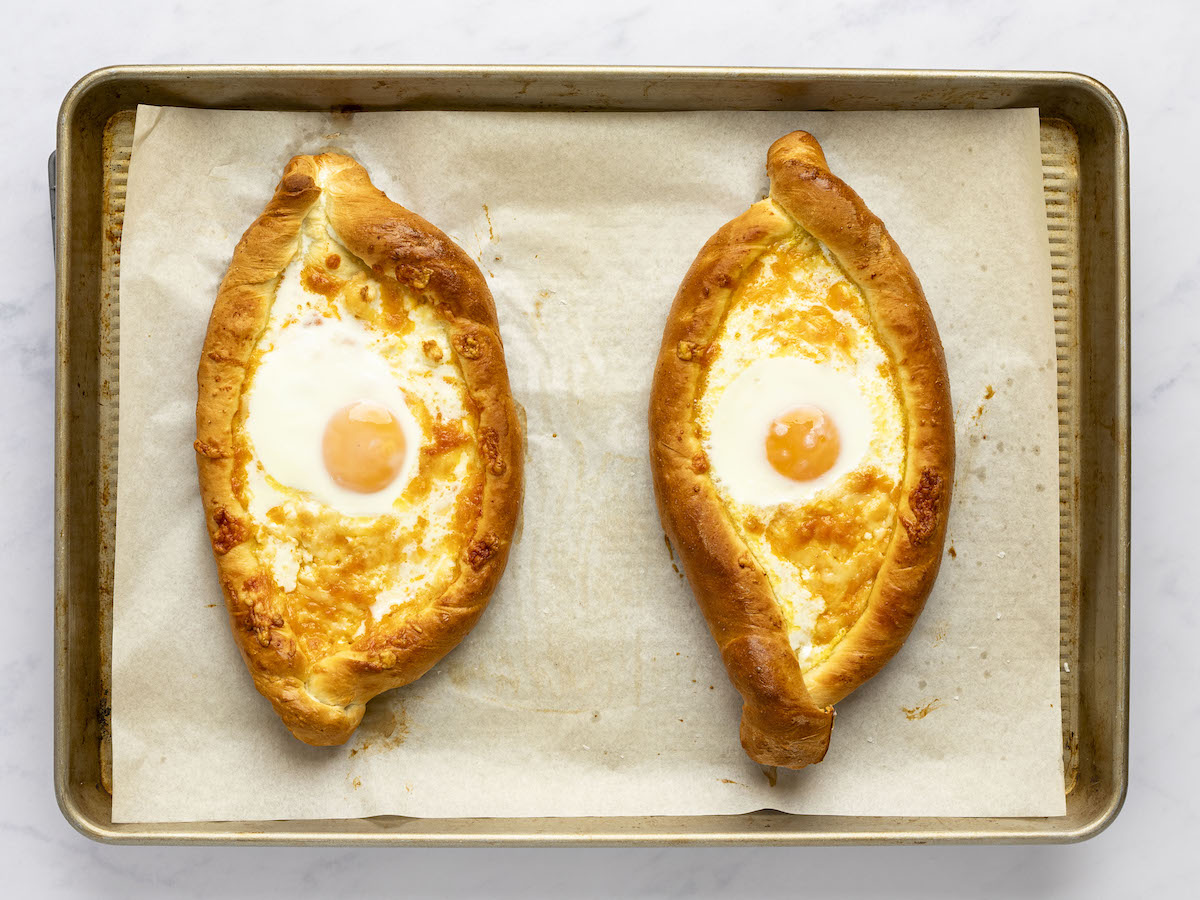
{"x": 322, "y": 701}
{"x": 787, "y": 717}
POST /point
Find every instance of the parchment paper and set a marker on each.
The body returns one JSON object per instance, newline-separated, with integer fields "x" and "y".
{"x": 591, "y": 686}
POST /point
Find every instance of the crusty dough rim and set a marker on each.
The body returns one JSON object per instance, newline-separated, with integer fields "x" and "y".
{"x": 323, "y": 702}
{"x": 787, "y": 716}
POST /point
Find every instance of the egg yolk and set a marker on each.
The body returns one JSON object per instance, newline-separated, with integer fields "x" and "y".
{"x": 364, "y": 447}
{"x": 803, "y": 444}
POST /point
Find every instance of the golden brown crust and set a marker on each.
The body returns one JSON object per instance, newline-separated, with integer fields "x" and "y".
{"x": 786, "y": 717}
{"x": 322, "y": 701}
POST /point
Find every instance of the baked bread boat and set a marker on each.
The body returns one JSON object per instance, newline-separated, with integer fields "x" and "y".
{"x": 802, "y": 447}
{"x": 359, "y": 454}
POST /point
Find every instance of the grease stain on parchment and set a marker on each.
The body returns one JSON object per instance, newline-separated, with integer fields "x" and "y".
{"x": 919, "y": 712}
{"x": 940, "y": 632}
{"x": 383, "y": 728}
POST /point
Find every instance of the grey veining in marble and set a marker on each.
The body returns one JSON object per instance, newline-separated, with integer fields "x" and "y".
{"x": 1145, "y": 52}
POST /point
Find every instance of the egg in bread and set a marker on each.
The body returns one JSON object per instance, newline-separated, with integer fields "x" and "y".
{"x": 359, "y": 456}
{"x": 802, "y": 449}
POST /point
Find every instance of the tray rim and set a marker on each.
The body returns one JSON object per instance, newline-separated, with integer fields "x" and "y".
{"x": 308, "y": 832}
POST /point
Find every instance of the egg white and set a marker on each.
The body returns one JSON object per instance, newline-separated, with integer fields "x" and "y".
{"x": 764, "y": 390}
{"x": 315, "y": 368}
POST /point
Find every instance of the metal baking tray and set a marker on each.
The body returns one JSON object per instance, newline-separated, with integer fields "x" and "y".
{"x": 1086, "y": 177}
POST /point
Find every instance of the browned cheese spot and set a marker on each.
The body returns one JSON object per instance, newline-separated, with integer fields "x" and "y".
{"x": 925, "y": 501}
{"x": 319, "y": 282}
{"x": 416, "y": 277}
{"x": 468, "y": 345}
{"x": 481, "y": 550}
{"x": 211, "y": 451}
{"x": 229, "y": 531}
{"x": 432, "y": 350}
{"x": 489, "y": 448}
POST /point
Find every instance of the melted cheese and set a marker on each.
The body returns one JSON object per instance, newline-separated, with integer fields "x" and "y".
{"x": 821, "y": 550}
{"x": 344, "y": 570}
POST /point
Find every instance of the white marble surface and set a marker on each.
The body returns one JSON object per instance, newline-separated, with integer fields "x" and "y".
{"x": 1144, "y": 52}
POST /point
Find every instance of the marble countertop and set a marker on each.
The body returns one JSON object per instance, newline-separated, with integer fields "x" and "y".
{"x": 1146, "y": 55}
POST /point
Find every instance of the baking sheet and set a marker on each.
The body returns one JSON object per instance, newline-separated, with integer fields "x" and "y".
{"x": 591, "y": 686}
